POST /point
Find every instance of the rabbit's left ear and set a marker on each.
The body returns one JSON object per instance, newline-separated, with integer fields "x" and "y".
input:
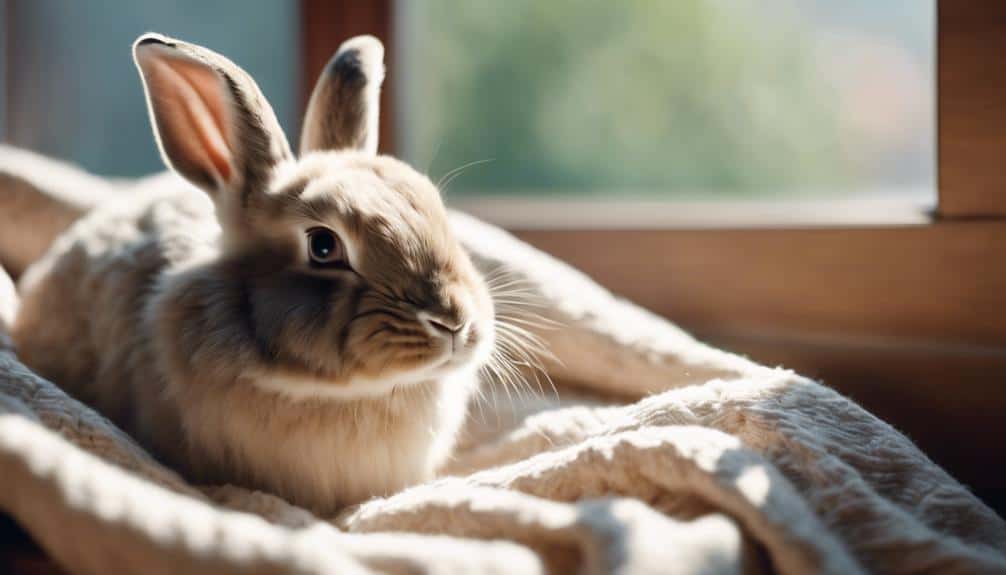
{"x": 212, "y": 123}
{"x": 344, "y": 107}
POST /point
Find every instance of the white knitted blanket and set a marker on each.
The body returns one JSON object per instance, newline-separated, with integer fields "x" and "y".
{"x": 709, "y": 464}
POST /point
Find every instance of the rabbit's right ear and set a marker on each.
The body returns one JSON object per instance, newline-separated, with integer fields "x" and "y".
{"x": 211, "y": 122}
{"x": 343, "y": 111}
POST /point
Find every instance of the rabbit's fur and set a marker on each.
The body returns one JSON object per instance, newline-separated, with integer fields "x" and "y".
{"x": 194, "y": 319}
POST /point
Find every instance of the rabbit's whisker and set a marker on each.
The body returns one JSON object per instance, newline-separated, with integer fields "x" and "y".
{"x": 447, "y": 178}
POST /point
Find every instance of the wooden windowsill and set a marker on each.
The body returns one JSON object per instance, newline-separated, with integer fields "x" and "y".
{"x": 907, "y": 319}
{"x": 557, "y": 211}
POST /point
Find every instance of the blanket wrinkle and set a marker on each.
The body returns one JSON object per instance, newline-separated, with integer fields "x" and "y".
{"x": 657, "y": 454}
{"x": 669, "y": 459}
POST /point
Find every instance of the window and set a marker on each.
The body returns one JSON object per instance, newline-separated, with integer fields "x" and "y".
{"x": 685, "y": 100}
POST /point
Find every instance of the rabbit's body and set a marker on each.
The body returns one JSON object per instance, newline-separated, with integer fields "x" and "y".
{"x": 83, "y": 319}
{"x": 89, "y": 320}
{"x": 308, "y": 327}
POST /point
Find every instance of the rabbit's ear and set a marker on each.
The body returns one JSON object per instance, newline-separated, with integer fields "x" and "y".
{"x": 343, "y": 111}
{"x": 211, "y": 122}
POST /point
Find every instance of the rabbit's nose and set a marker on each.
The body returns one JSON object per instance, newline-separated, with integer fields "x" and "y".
{"x": 453, "y": 329}
{"x": 440, "y": 324}
{"x": 447, "y": 326}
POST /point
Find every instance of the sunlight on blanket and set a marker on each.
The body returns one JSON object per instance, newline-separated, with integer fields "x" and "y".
{"x": 755, "y": 483}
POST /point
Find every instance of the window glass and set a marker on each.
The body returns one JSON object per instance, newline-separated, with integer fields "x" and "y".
{"x": 690, "y": 99}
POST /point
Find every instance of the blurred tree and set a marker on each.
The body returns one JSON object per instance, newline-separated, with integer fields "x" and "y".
{"x": 630, "y": 96}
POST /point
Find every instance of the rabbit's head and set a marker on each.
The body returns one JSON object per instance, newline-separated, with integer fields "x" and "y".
{"x": 338, "y": 274}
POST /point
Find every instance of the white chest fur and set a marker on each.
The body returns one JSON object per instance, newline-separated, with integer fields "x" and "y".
{"x": 325, "y": 453}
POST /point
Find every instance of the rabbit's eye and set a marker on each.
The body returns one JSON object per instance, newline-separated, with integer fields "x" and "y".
{"x": 325, "y": 248}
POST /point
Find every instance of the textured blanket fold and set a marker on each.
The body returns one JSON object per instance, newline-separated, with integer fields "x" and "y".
{"x": 707, "y": 463}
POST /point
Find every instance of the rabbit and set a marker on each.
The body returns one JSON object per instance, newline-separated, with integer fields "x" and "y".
{"x": 307, "y": 326}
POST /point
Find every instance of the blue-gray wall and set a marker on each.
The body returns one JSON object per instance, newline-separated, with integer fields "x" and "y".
{"x": 75, "y": 93}
{"x": 3, "y": 70}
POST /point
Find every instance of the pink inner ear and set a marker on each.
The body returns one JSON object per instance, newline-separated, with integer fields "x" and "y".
{"x": 190, "y": 103}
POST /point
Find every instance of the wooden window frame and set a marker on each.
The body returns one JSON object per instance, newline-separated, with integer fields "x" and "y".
{"x": 908, "y": 316}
